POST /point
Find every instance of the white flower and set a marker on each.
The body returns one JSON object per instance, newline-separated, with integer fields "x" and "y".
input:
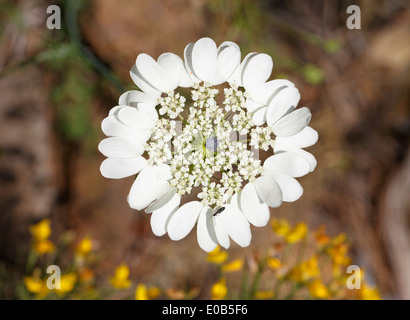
{"x": 211, "y": 151}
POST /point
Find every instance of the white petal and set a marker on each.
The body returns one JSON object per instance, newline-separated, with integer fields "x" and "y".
{"x": 143, "y": 189}
{"x": 289, "y": 163}
{"x": 161, "y": 200}
{"x": 259, "y": 117}
{"x": 163, "y": 171}
{"x": 113, "y": 127}
{"x": 229, "y": 58}
{"x": 152, "y": 73}
{"x": 253, "y": 106}
{"x": 204, "y": 54}
{"x": 269, "y": 191}
{"x": 135, "y": 119}
{"x": 149, "y": 110}
{"x": 132, "y": 97}
{"x": 292, "y": 123}
{"x": 284, "y": 102}
{"x": 113, "y": 168}
{"x": 186, "y": 81}
{"x": 236, "y": 201}
{"x": 188, "y": 63}
{"x": 256, "y": 70}
{"x": 291, "y": 188}
{"x": 236, "y": 225}
{"x": 119, "y": 148}
{"x": 172, "y": 66}
{"x": 305, "y": 138}
{"x": 162, "y": 188}
{"x": 183, "y": 220}
{"x": 220, "y": 232}
{"x": 265, "y": 92}
{"x": 235, "y": 78}
{"x": 206, "y": 230}
{"x": 143, "y": 84}
{"x": 114, "y": 111}
{"x": 308, "y": 156}
{"x": 160, "y": 217}
{"x": 254, "y": 209}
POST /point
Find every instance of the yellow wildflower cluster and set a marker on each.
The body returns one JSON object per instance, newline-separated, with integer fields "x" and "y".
{"x": 302, "y": 264}
{"x": 219, "y": 289}
{"x": 41, "y": 284}
{"x": 291, "y": 235}
{"x": 79, "y": 282}
{"x": 37, "y": 286}
{"x": 298, "y": 264}
{"x": 40, "y": 233}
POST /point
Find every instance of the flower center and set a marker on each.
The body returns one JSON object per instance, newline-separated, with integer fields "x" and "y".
{"x": 211, "y": 143}
{"x": 208, "y": 149}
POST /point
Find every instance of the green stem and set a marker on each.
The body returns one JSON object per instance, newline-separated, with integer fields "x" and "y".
{"x": 257, "y": 278}
{"x": 244, "y": 283}
{"x": 31, "y": 261}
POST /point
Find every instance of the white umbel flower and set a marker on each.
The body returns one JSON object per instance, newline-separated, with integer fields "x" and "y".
{"x": 202, "y": 145}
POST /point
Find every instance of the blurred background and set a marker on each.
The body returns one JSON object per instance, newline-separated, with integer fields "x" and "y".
{"x": 57, "y": 85}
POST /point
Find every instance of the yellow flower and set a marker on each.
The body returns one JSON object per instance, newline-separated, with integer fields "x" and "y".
{"x": 142, "y": 293}
{"x": 41, "y": 231}
{"x": 84, "y": 247}
{"x": 232, "y": 266}
{"x": 281, "y": 227}
{"x": 43, "y": 246}
{"x": 36, "y": 286}
{"x": 305, "y": 271}
{"x": 321, "y": 237}
{"x": 120, "y": 279}
{"x": 217, "y": 256}
{"x": 274, "y": 263}
{"x": 297, "y": 233}
{"x": 339, "y": 239}
{"x": 338, "y": 253}
{"x": 318, "y": 290}
{"x": 67, "y": 283}
{"x": 219, "y": 290}
{"x": 367, "y": 292}
{"x": 262, "y": 295}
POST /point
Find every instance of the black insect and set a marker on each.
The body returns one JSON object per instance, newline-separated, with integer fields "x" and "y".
{"x": 219, "y": 211}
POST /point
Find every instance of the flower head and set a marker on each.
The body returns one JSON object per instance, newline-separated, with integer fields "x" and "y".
{"x": 207, "y": 144}
{"x": 232, "y": 266}
{"x": 67, "y": 283}
{"x": 367, "y": 292}
{"x": 318, "y": 290}
{"x": 120, "y": 279}
{"x": 305, "y": 271}
{"x": 41, "y": 230}
{"x": 43, "y": 247}
{"x": 219, "y": 290}
{"x": 217, "y": 256}
{"x": 144, "y": 293}
{"x": 298, "y": 233}
{"x": 84, "y": 247}
{"x": 36, "y": 286}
